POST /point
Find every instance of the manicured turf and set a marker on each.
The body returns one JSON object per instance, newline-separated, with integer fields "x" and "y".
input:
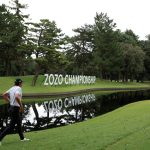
{"x": 7, "y": 82}
{"x": 125, "y": 128}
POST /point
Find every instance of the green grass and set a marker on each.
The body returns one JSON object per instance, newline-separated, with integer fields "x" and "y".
{"x": 7, "y": 82}
{"x": 125, "y": 128}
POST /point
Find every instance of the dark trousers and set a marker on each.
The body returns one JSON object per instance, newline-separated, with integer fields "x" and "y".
{"x": 16, "y": 119}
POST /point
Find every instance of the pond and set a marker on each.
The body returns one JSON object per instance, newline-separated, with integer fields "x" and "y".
{"x": 44, "y": 113}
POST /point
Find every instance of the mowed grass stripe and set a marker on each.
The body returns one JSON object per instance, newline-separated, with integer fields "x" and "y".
{"x": 114, "y": 130}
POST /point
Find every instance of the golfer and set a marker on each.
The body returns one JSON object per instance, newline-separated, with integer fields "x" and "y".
{"x": 13, "y": 96}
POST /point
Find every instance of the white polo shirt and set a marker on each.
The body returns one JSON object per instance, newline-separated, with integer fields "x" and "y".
{"x": 12, "y": 91}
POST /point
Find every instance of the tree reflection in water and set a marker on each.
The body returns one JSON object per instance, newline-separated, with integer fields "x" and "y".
{"x": 37, "y": 116}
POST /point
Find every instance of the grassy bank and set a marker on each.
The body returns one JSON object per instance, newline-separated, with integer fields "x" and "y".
{"x": 7, "y": 82}
{"x": 125, "y": 128}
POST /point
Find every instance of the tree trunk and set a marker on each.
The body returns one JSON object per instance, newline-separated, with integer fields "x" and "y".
{"x": 36, "y": 114}
{"x": 37, "y": 71}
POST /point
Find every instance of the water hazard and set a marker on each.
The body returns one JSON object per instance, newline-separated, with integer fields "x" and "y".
{"x": 46, "y": 113}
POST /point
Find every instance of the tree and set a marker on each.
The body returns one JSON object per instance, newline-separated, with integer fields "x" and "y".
{"x": 130, "y": 37}
{"x": 106, "y": 51}
{"x": 4, "y": 13}
{"x": 145, "y": 44}
{"x": 133, "y": 61}
{"x": 12, "y": 36}
{"x": 45, "y": 39}
{"x": 80, "y": 51}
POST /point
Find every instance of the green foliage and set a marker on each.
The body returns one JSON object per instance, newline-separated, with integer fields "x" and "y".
{"x": 80, "y": 51}
{"x": 98, "y": 49}
{"x": 45, "y": 39}
{"x": 106, "y": 52}
{"x": 12, "y": 36}
{"x": 146, "y": 47}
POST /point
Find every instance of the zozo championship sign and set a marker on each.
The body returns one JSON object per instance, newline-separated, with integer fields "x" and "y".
{"x": 59, "y": 79}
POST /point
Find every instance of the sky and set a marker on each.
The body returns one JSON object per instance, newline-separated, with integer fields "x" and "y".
{"x": 71, "y": 14}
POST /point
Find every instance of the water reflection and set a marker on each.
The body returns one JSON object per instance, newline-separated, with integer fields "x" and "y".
{"x": 62, "y": 111}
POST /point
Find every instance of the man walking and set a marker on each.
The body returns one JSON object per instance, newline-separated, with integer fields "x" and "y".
{"x": 13, "y": 96}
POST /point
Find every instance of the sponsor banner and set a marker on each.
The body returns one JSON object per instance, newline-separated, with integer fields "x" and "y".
{"x": 59, "y": 79}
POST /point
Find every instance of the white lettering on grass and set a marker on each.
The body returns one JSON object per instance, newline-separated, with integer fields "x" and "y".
{"x": 58, "y": 79}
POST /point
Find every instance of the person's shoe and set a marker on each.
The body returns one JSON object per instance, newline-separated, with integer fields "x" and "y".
{"x": 25, "y": 139}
